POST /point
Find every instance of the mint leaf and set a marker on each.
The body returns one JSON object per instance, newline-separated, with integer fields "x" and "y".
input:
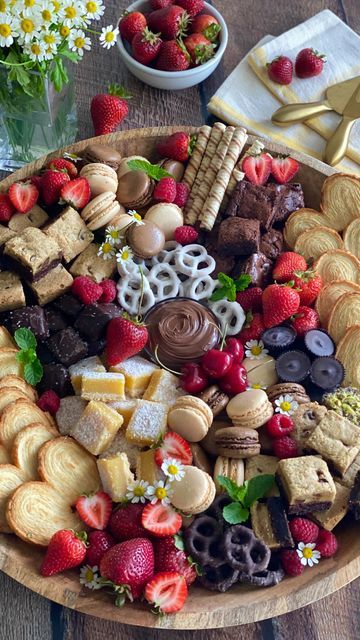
{"x": 152, "y": 170}
{"x": 235, "y": 513}
{"x": 33, "y": 372}
{"x": 242, "y": 282}
{"x": 242, "y": 491}
{"x": 231, "y": 294}
{"x": 257, "y": 488}
{"x": 25, "y": 339}
{"x": 224, "y": 279}
{"x": 218, "y": 294}
{"x": 229, "y": 485}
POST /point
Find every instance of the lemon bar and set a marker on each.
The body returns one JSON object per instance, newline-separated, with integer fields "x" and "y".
{"x": 163, "y": 387}
{"x": 146, "y": 467}
{"x": 121, "y": 445}
{"x": 97, "y": 427}
{"x": 115, "y": 475}
{"x": 84, "y": 366}
{"x": 125, "y": 408}
{"x": 137, "y": 372}
{"x": 147, "y": 423}
{"x": 107, "y": 387}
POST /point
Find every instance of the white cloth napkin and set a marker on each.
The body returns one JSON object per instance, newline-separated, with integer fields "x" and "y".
{"x": 249, "y": 97}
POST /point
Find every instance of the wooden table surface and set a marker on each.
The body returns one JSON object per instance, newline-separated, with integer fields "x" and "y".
{"x": 25, "y": 615}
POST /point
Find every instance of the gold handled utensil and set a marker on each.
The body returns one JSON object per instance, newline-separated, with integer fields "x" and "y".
{"x": 337, "y": 145}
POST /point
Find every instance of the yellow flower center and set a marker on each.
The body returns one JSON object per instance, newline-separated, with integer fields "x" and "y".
{"x": 307, "y": 553}
{"x": 139, "y": 491}
{"x": 27, "y": 26}
{"x": 256, "y": 350}
{"x": 91, "y": 7}
{"x": 125, "y": 255}
{"x": 49, "y": 38}
{"x": 256, "y": 385}
{"x": 2, "y": 5}
{"x": 285, "y": 406}
{"x": 114, "y": 234}
{"x": 136, "y": 216}
{"x": 5, "y": 30}
{"x": 56, "y": 5}
{"x": 79, "y": 42}
{"x": 70, "y": 12}
{"x": 29, "y": 3}
{"x": 46, "y": 15}
{"x": 110, "y": 38}
{"x": 64, "y": 31}
{"x": 35, "y": 49}
{"x": 173, "y": 469}
{"x": 89, "y": 575}
{"x": 106, "y": 248}
{"x": 160, "y": 493}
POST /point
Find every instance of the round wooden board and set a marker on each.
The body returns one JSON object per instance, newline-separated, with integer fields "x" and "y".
{"x": 203, "y": 609}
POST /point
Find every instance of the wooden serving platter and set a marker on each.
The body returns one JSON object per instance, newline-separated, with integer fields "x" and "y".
{"x": 203, "y": 609}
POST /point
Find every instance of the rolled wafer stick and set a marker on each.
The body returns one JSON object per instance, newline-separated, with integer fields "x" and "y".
{"x": 213, "y": 202}
{"x": 236, "y": 177}
{"x": 196, "y": 156}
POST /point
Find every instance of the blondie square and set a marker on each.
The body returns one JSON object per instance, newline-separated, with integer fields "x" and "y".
{"x": 337, "y": 440}
{"x": 88, "y": 263}
{"x": 51, "y": 286}
{"x": 306, "y": 483}
{"x": 11, "y": 291}
{"x": 260, "y": 465}
{"x": 32, "y": 253}
{"x": 70, "y": 232}
{"x": 6, "y": 234}
{"x": 330, "y": 518}
{"x": 36, "y": 217}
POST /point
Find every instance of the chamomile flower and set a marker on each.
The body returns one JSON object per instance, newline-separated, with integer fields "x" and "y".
{"x": 113, "y": 235}
{"x": 28, "y": 8}
{"x": 308, "y": 554}
{"x": 94, "y": 9}
{"x": 255, "y": 350}
{"x": 161, "y": 492}
{"x": 65, "y": 31}
{"x": 286, "y": 405}
{"x": 56, "y": 5}
{"x": 50, "y": 52}
{"x": 173, "y": 469}
{"x": 108, "y": 36}
{"x": 137, "y": 491}
{"x": 47, "y": 13}
{"x": 256, "y": 385}
{"x": 106, "y": 251}
{"x": 35, "y": 50}
{"x": 29, "y": 28}
{"x": 89, "y": 577}
{"x": 124, "y": 255}
{"x": 79, "y": 42}
{"x": 51, "y": 39}
{"x": 8, "y": 29}
{"x": 72, "y": 13}
{"x": 136, "y": 217}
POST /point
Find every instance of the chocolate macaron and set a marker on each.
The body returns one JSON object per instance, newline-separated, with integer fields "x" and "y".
{"x": 102, "y": 153}
{"x": 215, "y": 399}
{"x": 135, "y": 189}
{"x": 237, "y": 442}
{"x": 146, "y": 240}
{"x": 174, "y": 167}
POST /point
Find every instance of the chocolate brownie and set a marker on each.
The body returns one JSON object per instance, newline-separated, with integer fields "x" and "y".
{"x": 55, "y": 320}
{"x": 94, "y": 318}
{"x": 224, "y": 262}
{"x": 254, "y": 202}
{"x": 258, "y": 267}
{"x": 57, "y": 378}
{"x": 67, "y": 346}
{"x": 32, "y": 253}
{"x": 68, "y": 305}
{"x": 272, "y": 243}
{"x": 30, "y": 317}
{"x": 288, "y": 198}
{"x": 239, "y": 236}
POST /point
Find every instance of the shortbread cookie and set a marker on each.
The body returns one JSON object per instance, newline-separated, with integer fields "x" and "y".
{"x": 27, "y": 445}
{"x": 314, "y": 242}
{"x": 300, "y": 221}
{"x": 33, "y": 253}
{"x": 337, "y": 440}
{"x": 306, "y": 483}
{"x": 329, "y": 295}
{"x": 97, "y": 427}
{"x": 340, "y": 200}
{"x": 347, "y": 347}
{"x": 12, "y": 294}
{"x": 306, "y": 418}
{"x": 89, "y": 263}
{"x": 36, "y": 217}
{"x": 10, "y": 478}
{"x": 70, "y": 232}
{"x": 338, "y": 264}
{"x": 348, "y": 478}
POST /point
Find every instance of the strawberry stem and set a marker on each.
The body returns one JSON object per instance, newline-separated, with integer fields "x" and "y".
{"x": 119, "y": 91}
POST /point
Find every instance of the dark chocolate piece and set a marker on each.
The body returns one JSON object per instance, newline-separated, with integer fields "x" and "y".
{"x": 67, "y": 346}
{"x": 94, "y": 318}
{"x": 278, "y": 339}
{"x": 288, "y": 198}
{"x": 293, "y": 366}
{"x": 253, "y": 201}
{"x": 95, "y": 348}
{"x": 258, "y": 267}
{"x": 55, "y": 320}
{"x": 319, "y": 343}
{"x": 354, "y": 499}
{"x": 272, "y": 243}
{"x": 239, "y": 236}
{"x": 44, "y": 354}
{"x": 32, "y": 318}
{"x": 279, "y": 521}
{"x": 69, "y": 305}
{"x": 327, "y": 373}
{"x": 57, "y": 378}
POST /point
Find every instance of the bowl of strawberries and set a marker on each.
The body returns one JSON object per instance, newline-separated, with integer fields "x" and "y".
{"x": 172, "y": 44}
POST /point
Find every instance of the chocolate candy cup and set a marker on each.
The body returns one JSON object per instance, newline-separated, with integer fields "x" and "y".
{"x": 293, "y": 366}
{"x": 244, "y": 551}
{"x": 278, "y": 339}
{"x": 319, "y": 343}
{"x": 327, "y": 373}
{"x": 203, "y": 541}
{"x": 219, "y": 578}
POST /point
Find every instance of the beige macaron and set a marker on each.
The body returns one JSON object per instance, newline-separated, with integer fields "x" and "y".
{"x": 167, "y": 216}
{"x": 190, "y": 417}
{"x": 100, "y": 177}
{"x": 195, "y": 492}
{"x": 250, "y": 409}
{"x": 230, "y": 468}
{"x": 261, "y": 372}
{"x": 99, "y": 211}
{"x": 124, "y": 167}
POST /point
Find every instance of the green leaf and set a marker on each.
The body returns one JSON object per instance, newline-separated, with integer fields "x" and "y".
{"x": 258, "y": 488}
{"x": 241, "y": 493}
{"x": 70, "y": 55}
{"x": 153, "y": 170}
{"x": 212, "y": 31}
{"x": 224, "y": 279}
{"x": 218, "y": 294}
{"x": 231, "y": 294}
{"x": 242, "y": 282}
{"x": 235, "y": 513}
{"x": 179, "y": 542}
{"x": 229, "y": 485}
{"x": 25, "y": 338}
{"x": 33, "y": 372}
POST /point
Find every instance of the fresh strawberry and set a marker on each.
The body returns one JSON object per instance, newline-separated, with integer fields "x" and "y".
{"x": 99, "y": 543}
{"x": 303, "y": 530}
{"x": 193, "y": 7}
{"x": 200, "y": 48}
{"x": 250, "y": 299}
{"x": 160, "y": 4}
{"x": 51, "y": 184}
{"x": 125, "y": 338}
{"x": 108, "y": 291}
{"x": 165, "y": 190}
{"x": 76, "y": 193}
{"x": 286, "y": 264}
{"x": 285, "y": 447}
{"x": 125, "y": 522}
{"x": 182, "y": 194}
{"x": 253, "y": 327}
{"x": 131, "y": 24}
{"x": 129, "y": 566}
{"x": 167, "y": 592}
{"x": 185, "y": 235}
{"x": 62, "y": 164}
{"x": 7, "y": 208}
{"x": 36, "y": 180}
{"x": 145, "y": 46}
{"x": 280, "y": 70}
{"x": 66, "y": 550}
{"x": 86, "y": 289}
{"x": 309, "y": 284}
{"x": 284, "y": 168}
{"x": 108, "y": 110}
{"x": 23, "y": 196}
{"x": 291, "y": 562}
{"x": 173, "y": 56}
{"x": 305, "y": 319}
{"x": 161, "y": 520}
{"x": 178, "y": 146}
{"x": 207, "y": 25}
{"x": 280, "y": 302}
{"x": 172, "y": 22}
{"x": 170, "y": 556}
{"x": 95, "y": 509}
{"x": 173, "y": 446}
{"x": 257, "y": 168}
{"x": 309, "y": 63}
{"x": 326, "y": 543}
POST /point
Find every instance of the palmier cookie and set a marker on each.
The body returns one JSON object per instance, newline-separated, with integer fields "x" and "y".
{"x": 300, "y": 221}
{"x": 237, "y": 442}
{"x": 190, "y": 417}
{"x": 340, "y": 200}
{"x": 194, "y": 492}
{"x": 101, "y": 210}
{"x": 352, "y": 237}
{"x": 314, "y": 242}
{"x": 329, "y": 295}
{"x": 347, "y": 347}
{"x": 338, "y": 264}
{"x": 250, "y": 409}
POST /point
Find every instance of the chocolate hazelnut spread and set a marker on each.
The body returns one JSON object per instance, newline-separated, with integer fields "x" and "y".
{"x": 182, "y": 330}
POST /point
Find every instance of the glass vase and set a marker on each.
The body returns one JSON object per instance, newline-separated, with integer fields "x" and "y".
{"x": 32, "y": 126}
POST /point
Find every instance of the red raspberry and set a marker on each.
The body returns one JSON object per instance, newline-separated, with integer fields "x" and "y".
{"x": 285, "y": 447}
{"x": 250, "y": 299}
{"x": 86, "y": 290}
{"x": 49, "y": 401}
{"x": 165, "y": 190}
{"x": 303, "y": 530}
{"x": 279, "y": 425}
{"x": 326, "y": 543}
{"x": 182, "y": 194}
{"x": 186, "y": 235}
{"x": 291, "y": 562}
{"x": 7, "y": 208}
{"x": 108, "y": 291}
{"x": 99, "y": 543}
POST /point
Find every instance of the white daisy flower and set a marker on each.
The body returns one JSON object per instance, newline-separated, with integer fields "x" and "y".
{"x": 35, "y": 50}
{"x": 28, "y": 29}
{"x": 137, "y": 491}
{"x": 79, "y": 42}
{"x": 94, "y": 9}
{"x": 50, "y": 52}
{"x": 72, "y": 13}
{"x": 65, "y": 31}
{"x": 47, "y": 13}
{"x": 56, "y": 6}
{"x": 286, "y": 405}
{"x": 8, "y": 29}
{"x": 173, "y": 469}
{"x": 106, "y": 251}
{"x": 256, "y": 385}
{"x": 108, "y": 37}
{"x": 113, "y": 234}
{"x": 51, "y": 39}
{"x": 125, "y": 254}
{"x": 255, "y": 350}
{"x": 160, "y": 492}
{"x": 308, "y": 554}
{"x": 89, "y": 577}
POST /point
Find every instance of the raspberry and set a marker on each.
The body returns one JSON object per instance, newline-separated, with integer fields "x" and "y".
{"x": 182, "y": 194}
{"x": 250, "y": 299}
{"x": 285, "y": 447}
{"x": 86, "y": 290}
{"x": 99, "y": 543}
{"x": 303, "y": 530}
{"x": 279, "y": 425}
{"x": 108, "y": 291}
{"x": 7, "y": 209}
{"x": 186, "y": 235}
{"x": 165, "y": 190}
{"x": 326, "y": 543}
{"x": 291, "y": 562}
{"x": 49, "y": 401}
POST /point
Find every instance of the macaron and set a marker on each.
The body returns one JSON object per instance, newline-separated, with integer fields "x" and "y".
{"x": 122, "y": 219}
{"x": 124, "y": 166}
{"x": 208, "y": 443}
{"x": 195, "y": 492}
{"x": 135, "y": 190}
{"x": 232, "y": 468}
{"x": 293, "y": 366}
{"x": 190, "y": 417}
{"x": 261, "y": 372}
{"x": 237, "y": 442}
{"x": 99, "y": 211}
{"x": 146, "y": 240}
{"x": 174, "y": 167}
{"x": 103, "y": 154}
{"x": 215, "y": 399}
{"x": 287, "y": 388}
{"x": 250, "y": 409}
{"x": 100, "y": 177}
{"x": 167, "y": 216}
{"x": 200, "y": 459}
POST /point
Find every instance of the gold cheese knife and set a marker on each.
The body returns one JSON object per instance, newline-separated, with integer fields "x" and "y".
{"x": 337, "y": 145}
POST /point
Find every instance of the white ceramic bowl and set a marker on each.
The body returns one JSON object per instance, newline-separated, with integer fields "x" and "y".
{"x": 174, "y": 80}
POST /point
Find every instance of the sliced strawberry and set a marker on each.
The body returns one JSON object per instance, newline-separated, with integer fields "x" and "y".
{"x": 284, "y": 168}
{"x": 7, "y": 208}
{"x": 76, "y": 193}
{"x": 173, "y": 446}
{"x": 167, "y": 592}
{"x": 161, "y": 520}
{"x": 59, "y": 164}
{"x": 95, "y": 510}
{"x": 257, "y": 168}
{"x": 23, "y": 195}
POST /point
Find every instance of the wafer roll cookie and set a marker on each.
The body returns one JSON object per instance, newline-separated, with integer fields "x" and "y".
{"x": 236, "y": 176}
{"x": 212, "y": 205}
{"x": 196, "y": 156}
